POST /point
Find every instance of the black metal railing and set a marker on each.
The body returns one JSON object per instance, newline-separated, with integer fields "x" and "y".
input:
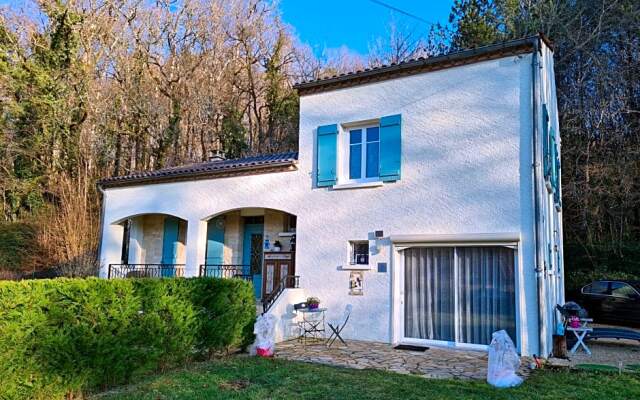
{"x": 146, "y": 271}
{"x": 289, "y": 282}
{"x": 225, "y": 271}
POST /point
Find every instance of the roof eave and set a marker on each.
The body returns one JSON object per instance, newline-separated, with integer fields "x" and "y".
{"x": 494, "y": 51}
{"x": 282, "y": 166}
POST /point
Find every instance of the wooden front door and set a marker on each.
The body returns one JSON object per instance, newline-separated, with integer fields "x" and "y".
{"x": 277, "y": 266}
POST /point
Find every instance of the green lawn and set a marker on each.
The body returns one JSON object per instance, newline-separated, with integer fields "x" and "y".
{"x": 252, "y": 378}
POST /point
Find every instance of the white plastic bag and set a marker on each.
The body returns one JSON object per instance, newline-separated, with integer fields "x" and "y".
{"x": 503, "y": 361}
{"x": 264, "y": 329}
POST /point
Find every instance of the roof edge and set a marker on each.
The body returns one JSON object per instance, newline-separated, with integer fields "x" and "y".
{"x": 413, "y": 67}
{"x": 281, "y": 166}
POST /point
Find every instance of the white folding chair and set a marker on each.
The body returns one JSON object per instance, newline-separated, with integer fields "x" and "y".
{"x": 337, "y": 326}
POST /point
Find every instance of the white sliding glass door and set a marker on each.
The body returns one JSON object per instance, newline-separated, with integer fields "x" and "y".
{"x": 458, "y": 295}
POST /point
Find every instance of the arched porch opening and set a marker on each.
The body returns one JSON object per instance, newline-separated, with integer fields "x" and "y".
{"x": 153, "y": 245}
{"x": 255, "y": 244}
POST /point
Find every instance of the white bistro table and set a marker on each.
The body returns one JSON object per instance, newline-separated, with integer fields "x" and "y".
{"x": 580, "y": 333}
{"x": 312, "y": 324}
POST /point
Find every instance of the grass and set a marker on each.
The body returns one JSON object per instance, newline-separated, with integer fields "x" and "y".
{"x": 597, "y": 367}
{"x": 253, "y": 378}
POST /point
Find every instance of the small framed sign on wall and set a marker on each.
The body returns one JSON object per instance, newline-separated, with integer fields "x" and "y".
{"x": 355, "y": 283}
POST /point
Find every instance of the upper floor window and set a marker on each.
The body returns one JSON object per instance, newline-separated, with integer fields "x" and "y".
{"x": 352, "y": 153}
{"x": 364, "y": 153}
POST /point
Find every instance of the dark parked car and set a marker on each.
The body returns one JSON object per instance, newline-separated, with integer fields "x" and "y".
{"x": 615, "y": 302}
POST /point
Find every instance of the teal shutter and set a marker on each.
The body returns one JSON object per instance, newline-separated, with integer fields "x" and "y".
{"x": 327, "y": 151}
{"x": 170, "y": 244}
{"x": 390, "y": 148}
{"x": 552, "y": 158}
{"x": 546, "y": 146}
{"x": 215, "y": 241}
{"x": 556, "y": 171}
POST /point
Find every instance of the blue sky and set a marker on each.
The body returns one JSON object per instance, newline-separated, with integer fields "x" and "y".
{"x": 331, "y": 24}
{"x": 354, "y": 24}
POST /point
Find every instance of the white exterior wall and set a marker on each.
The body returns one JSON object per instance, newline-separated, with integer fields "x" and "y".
{"x": 551, "y": 216}
{"x": 466, "y": 169}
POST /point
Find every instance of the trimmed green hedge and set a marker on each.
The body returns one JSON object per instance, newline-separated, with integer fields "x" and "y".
{"x": 69, "y": 336}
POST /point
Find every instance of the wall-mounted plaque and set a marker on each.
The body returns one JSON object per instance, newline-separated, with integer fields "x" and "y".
{"x": 355, "y": 283}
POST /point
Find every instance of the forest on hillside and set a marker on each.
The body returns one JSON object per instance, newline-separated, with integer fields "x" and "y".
{"x": 96, "y": 88}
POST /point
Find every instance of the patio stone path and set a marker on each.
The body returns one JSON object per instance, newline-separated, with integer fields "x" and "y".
{"x": 436, "y": 362}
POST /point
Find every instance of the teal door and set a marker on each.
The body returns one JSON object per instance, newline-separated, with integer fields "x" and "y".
{"x": 215, "y": 245}
{"x": 170, "y": 240}
{"x": 252, "y": 254}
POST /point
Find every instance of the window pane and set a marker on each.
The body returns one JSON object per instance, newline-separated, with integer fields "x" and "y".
{"x": 599, "y": 288}
{"x": 373, "y": 159}
{"x": 486, "y": 293}
{"x": 360, "y": 253}
{"x": 429, "y": 292}
{"x": 620, "y": 289}
{"x": 355, "y": 161}
{"x": 355, "y": 136}
{"x": 373, "y": 134}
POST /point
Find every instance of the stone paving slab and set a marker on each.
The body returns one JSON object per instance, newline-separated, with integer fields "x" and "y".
{"x": 439, "y": 363}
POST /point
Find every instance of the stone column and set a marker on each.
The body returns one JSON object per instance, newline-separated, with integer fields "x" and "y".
{"x": 111, "y": 250}
{"x": 196, "y": 246}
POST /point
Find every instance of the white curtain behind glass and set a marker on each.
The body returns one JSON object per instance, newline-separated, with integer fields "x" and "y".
{"x": 485, "y": 289}
{"x": 486, "y": 293}
{"x": 429, "y": 296}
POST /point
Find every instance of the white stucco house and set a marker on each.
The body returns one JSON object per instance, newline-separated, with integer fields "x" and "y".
{"x": 426, "y": 194}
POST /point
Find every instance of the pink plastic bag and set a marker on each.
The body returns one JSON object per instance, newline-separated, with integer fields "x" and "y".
{"x": 264, "y": 329}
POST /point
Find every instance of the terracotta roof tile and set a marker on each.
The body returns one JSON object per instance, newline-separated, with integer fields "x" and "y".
{"x": 207, "y": 169}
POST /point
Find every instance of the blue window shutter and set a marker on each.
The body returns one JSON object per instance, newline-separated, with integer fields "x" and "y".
{"x": 170, "y": 240}
{"x": 556, "y": 170}
{"x": 215, "y": 240}
{"x": 553, "y": 172}
{"x": 326, "y": 165}
{"x": 390, "y": 147}
{"x": 547, "y": 160}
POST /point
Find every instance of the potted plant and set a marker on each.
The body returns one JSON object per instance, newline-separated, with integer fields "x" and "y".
{"x": 277, "y": 246}
{"x": 313, "y": 303}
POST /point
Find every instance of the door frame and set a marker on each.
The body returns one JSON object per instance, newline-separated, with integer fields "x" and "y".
{"x": 397, "y": 289}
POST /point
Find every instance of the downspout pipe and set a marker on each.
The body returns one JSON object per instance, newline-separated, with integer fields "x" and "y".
{"x": 539, "y": 259}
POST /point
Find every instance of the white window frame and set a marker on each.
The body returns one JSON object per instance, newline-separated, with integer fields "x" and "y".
{"x": 352, "y": 252}
{"x": 345, "y": 151}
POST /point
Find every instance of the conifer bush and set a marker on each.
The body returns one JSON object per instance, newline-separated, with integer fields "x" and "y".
{"x": 66, "y": 337}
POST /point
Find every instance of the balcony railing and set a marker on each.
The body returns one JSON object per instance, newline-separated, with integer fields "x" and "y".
{"x": 225, "y": 271}
{"x": 288, "y": 282}
{"x": 146, "y": 270}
